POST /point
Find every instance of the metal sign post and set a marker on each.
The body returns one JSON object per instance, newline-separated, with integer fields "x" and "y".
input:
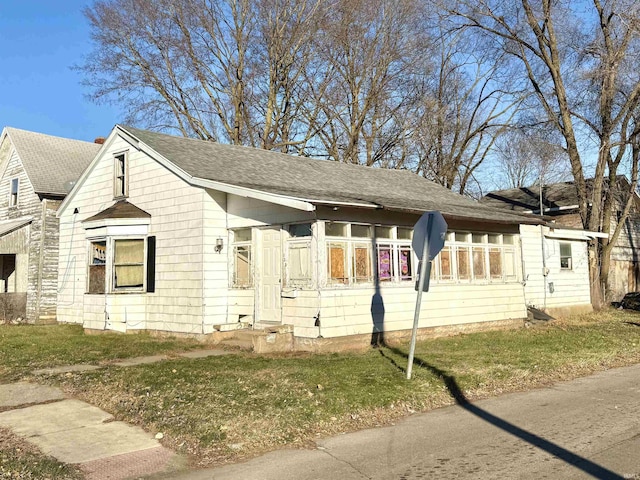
{"x": 429, "y": 234}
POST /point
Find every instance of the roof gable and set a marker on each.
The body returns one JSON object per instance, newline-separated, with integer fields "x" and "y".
{"x": 50, "y": 161}
{"x": 311, "y": 180}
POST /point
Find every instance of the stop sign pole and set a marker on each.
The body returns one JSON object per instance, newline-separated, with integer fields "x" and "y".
{"x": 435, "y": 230}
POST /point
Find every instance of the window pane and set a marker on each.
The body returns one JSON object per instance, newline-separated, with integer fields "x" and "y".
{"x": 300, "y": 230}
{"x": 299, "y": 263}
{"x": 406, "y": 272}
{"x": 242, "y": 272}
{"x": 383, "y": 232}
{"x": 445, "y": 263}
{"x": 361, "y": 231}
{"x": 494, "y": 238}
{"x": 461, "y": 237}
{"x": 385, "y": 263}
{"x": 565, "y": 249}
{"x": 508, "y": 239}
{"x": 495, "y": 263}
{"x": 479, "y": 272}
{"x": 128, "y": 276}
{"x": 129, "y": 251}
{"x": 97, "y": 279}
{"x": 97, "y": 271}
{"x": 336, "y": 254}
{"x": 404, "y": 233}
{"x": 242, "y": 235}
{"x": 478, "y": 238}
{"x": 362, "y": 263}
{"x": 332, "y": 229}
{"x": 510, "y": 264}
{"x": 462, "y": 256}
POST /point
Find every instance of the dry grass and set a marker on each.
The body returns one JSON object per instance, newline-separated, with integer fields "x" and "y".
{"x": 226, "y": 408}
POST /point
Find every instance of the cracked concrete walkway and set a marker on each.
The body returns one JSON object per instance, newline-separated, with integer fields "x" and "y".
{"x": 78, "y": 433}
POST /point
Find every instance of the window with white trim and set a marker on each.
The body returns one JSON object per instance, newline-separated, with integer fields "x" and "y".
{"x": 566, "y": 260}
{"x": 120, "y": 176}
{"x": 298, "y": 259}
{"x": 477, "y": 258}
{"x": 121, "y": 265}
{"x": 242, "y": 258}
{"x": 128, "y": 264}
{"x": 13, "y": 194}
{"x": 361, "y": 253}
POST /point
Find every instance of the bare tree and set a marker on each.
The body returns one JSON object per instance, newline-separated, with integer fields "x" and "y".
{"x": 366, "y": 52}
{"x": 580, "y": 59}
{"x": 524, "y": 158}
{"x": 463, "y": 110}
{"x": 215, "y": 69}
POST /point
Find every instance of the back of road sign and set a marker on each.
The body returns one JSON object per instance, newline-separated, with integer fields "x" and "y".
{"x": 435, "y": 236}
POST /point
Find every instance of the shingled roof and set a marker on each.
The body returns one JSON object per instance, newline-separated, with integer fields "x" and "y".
{"x": 51, "y": 161}
{"x": 555, "y": 196}
{"x": 315, "y": 181}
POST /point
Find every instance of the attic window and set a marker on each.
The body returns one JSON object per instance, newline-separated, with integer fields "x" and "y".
{"x": 13, "y": 196}
{"x": 120, "y": 177}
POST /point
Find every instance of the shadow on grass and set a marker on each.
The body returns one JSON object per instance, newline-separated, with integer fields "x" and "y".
{"x": 563, "y": 454}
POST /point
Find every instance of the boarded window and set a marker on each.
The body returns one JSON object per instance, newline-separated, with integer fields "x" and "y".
{"x": 128, "y": 264}
{"x": 97, "y": 267}
{"x": 462, "y": 257}
{"x": 495, "y": 263}
{"x": 337, "y": 263}
{"x": 362, "y": 263}
{"x": 446, "y": 272}
{"x": 479, "y": 263}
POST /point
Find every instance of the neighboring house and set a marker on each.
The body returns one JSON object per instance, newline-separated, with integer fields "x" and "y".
{"x": 35, "y": 168}
{"x": 560, "y": 204}
{"x": 173, "y": 234}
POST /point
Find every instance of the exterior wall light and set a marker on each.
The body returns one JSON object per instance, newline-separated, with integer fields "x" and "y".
{"x": 219, "y": 244}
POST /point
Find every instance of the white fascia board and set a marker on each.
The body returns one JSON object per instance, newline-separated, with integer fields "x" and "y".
{"x": 291, "y": 202}
{"x": 344, "y": 204}
{"x": 121, "y": 230}
{"x": 574, "y": 234}
{"x": 110, "y": 139}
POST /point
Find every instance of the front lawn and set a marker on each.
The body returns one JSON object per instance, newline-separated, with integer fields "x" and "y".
{"x": 24, "y": 348}
{"x": 226, "y": 408}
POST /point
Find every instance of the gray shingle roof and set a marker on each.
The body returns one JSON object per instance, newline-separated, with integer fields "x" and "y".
{"x": 319, "y": 181}
{"x": 51, "y": 161}
{"x": 554, "y": 195}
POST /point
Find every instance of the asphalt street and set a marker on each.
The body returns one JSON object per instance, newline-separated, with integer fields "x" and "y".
{"x": 585, "y": 428}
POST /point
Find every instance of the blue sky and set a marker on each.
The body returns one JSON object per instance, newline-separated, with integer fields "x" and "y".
{"x": 39, "y": 42}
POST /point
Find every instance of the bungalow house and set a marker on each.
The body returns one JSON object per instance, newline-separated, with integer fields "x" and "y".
{"x": 173, "y": 234}
{"x": 35, "y": 168}
{"x": 560, "y": 205}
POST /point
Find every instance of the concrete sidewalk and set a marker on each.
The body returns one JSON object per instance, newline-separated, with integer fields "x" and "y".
{"x": 585, "y": 428}
{"x": 78, "y": 433}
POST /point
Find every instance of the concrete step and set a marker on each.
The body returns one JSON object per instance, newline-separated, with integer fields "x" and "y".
{"x": 241, "y": 344}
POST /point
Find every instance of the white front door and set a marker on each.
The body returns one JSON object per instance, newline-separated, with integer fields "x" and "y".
{"x": 269, "y": 276}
